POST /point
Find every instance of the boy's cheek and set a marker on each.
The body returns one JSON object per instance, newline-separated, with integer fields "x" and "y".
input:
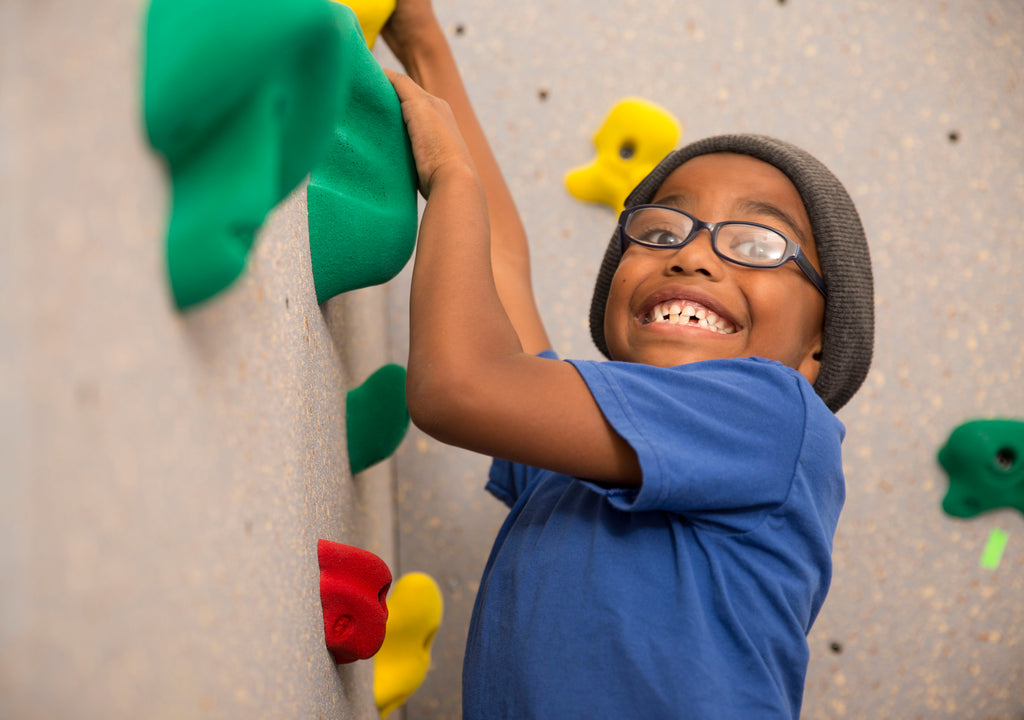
{"x": 614, "y": 330}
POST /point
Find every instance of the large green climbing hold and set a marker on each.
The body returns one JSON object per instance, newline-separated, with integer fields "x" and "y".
{"x": 362, "y": 195}
{"x": 376, "y": 417}
{"x": 240, "y": 97}
{"x": 985, "y": 463}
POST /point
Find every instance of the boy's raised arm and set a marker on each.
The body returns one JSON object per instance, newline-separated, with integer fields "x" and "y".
{"x": 415, "y": 36}
{"x": 469, "y": 381}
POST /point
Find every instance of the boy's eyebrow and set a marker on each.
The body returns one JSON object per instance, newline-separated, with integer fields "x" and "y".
{"x": 765, "y": 208}
{"x": 759, "y": 207}
{"x": 676, "y": 201}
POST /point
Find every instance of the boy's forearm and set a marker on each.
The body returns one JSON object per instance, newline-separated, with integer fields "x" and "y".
{"x": 429, "y": 60}
{"x": 458, "y": 326}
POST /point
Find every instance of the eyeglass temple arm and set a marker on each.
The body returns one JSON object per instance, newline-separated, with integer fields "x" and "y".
{"x": 804, "y": 264}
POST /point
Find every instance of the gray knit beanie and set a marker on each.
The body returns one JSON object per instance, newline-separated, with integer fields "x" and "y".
{"x": 848, "y": 336}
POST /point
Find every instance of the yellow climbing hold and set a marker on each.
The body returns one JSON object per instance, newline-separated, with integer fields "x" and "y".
{"x": 400, "y": 666}
{"x": 634, "y": 138}
{"x": 372, "y": 15}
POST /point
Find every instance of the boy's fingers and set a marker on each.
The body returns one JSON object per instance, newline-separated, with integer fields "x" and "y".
{"x": 393, "y": 76}
{"x": 408, "y": 90}
{"x": 400, "y": 81}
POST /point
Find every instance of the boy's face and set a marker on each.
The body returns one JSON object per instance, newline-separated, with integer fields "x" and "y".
{"x": 771, "y": 313}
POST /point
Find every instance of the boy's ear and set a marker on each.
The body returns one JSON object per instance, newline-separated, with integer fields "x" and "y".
{"x": 811, "y": 364}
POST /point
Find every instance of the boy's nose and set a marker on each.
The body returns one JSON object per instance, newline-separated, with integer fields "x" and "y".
{"x": 696, "y": 257}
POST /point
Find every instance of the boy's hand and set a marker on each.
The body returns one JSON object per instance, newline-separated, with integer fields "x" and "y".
{"x": 436, "y": 141}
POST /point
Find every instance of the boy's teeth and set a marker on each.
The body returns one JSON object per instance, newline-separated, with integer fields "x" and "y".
{"x": 690, "y": 313}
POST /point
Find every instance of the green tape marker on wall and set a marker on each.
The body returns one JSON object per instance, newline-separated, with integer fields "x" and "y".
{"x": 993, "y": 553}
{"x": 362, "y": 195}
{"x": 240, "y": 97}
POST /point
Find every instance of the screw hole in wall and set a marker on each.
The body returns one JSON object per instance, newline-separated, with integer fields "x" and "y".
{"x": 953, "y": 136}
{"x": 835, "y": 647}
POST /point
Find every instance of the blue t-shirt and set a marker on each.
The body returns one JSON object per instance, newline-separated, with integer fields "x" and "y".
{"x": 690, "y": 597}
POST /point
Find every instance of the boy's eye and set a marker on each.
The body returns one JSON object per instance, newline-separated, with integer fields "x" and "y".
{"x": 655, "y": 236}
{"x": 759, "y": 247}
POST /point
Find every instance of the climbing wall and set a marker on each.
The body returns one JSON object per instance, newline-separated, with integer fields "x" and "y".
{"x": 165, "y": 472}
{"x": 919, "y": 108}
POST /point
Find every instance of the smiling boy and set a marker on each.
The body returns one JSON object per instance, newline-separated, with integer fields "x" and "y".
{"x": 775, "y": 315}
{"x": 671, "y": 510}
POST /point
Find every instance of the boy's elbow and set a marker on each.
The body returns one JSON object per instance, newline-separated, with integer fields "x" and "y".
{"x": 422, "y": 408}
{"x": 460, "y": 398}
{"x": 433, "y": 398}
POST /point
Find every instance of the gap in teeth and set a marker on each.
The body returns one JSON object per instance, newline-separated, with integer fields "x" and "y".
{"x": 676, "y": 312}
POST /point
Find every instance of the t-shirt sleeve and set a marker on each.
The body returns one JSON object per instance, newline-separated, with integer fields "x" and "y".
{"x": 713, "y": 438}
{"x": 508, "y": 480}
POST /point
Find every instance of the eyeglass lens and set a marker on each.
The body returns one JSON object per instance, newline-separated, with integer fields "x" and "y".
{"x": 747, "y": 244}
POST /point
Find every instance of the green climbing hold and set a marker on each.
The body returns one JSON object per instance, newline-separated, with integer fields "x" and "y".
{"x": 985, "y": 463}
{"x": 240, "y": 97}
{"x": 362, "y": 195}
{"x": 376, "y": 417}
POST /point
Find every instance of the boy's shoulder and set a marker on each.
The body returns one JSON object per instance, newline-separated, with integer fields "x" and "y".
{"x": 758, "y": 389}
{"x": 740, "y": 374}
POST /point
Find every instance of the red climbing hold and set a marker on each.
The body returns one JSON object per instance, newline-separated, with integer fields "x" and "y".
{"x": 353, "y": 591}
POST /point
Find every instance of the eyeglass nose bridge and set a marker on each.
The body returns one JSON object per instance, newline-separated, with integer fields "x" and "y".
{"x": 698, "y": 226}
{"x": 695, "y": 231}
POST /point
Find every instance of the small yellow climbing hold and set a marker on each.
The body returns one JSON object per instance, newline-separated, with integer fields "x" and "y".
{"x": 372, "y": 15}
{"x": 400, "y": 666}
{"x": 634, "y": 138}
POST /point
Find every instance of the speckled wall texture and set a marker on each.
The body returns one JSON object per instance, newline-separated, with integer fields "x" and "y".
{"x": 164, "y": 477}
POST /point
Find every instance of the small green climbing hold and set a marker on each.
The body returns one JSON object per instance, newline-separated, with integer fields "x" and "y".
{"x": 362, "y": 195}
{"x": 376, "y": 417}
{"x": 240, "y": 97}
{"x": 985, "y": 463}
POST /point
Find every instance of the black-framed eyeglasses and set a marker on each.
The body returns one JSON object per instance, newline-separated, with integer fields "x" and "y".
{"x": 744, "y": 243}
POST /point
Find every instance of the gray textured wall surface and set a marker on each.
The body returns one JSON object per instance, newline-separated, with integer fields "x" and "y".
{"x": 919, "y": 109}
{"x": 164, "y": 477}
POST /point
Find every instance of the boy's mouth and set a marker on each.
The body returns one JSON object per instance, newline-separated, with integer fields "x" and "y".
{"x": 688, "y": 312}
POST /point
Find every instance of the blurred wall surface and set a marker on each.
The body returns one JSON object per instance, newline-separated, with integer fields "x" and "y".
{"x": 165, "y": 476}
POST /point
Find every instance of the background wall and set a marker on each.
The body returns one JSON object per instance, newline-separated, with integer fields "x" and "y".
{"x": 164, "y": 477}
{"x": 919, "y": 109}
